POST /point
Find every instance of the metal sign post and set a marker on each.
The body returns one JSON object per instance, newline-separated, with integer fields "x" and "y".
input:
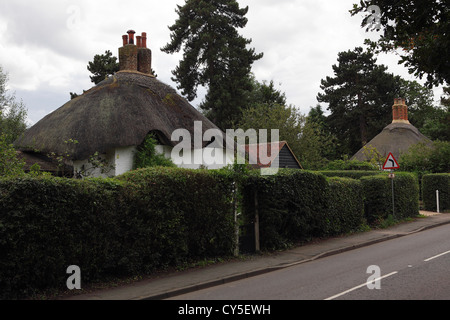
{"x": 392, "y": 176}
{"x": 391, "y": 164}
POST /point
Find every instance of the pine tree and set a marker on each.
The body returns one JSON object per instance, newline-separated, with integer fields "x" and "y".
{"x": 215, "y": 56}
{"x": 360, "y": 98}
{"x": 102, "y": 66}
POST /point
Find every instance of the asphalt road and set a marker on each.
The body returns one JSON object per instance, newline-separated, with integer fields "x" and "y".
{"x": 411, "y": 267}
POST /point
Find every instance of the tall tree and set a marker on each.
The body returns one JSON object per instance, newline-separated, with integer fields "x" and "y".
{"x": 215, "y": 56}
{"x": 12, "y": 112}
{"x": 359, "y": 97}
{"x": 420, "y": 102}
{"x": 102, "y": 66}
{"x": 268, "y": 109}
{"x": 421, "y": 28}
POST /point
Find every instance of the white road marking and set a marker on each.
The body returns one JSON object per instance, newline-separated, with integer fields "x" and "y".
{"x": 436, "y": 256}
{"x": 360, "y": 286}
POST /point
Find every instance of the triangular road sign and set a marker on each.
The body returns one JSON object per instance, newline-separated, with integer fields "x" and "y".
{"x": 390, "y": 163}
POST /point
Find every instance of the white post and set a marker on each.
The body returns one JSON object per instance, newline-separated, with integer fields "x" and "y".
{"x": 437, "y": 200}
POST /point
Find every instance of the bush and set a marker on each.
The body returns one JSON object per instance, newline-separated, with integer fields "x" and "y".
{"x": 349, "y": 165}
{"x": 424, "y": 158}
{"x": 345, "y": 206}
{"x": 353, "y": 174}
{"x": 178, "y": 215}
{"x": 10, "y": 165}
{"x": 378, "y": 196}
{"x": 290, "y": 206}
{"x": 431, "y": 183}
{"x": 143, "y": 221}
{"x": 48, "y": 224}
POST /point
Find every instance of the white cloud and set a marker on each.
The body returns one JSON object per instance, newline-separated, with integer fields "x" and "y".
{"x": 45, "y": 45}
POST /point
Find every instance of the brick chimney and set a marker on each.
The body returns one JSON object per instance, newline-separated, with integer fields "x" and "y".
{"x": 135, "y": 57}
{"x": 400, "y": 111}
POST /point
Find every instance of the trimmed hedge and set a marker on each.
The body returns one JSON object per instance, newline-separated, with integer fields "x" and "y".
{"x": 295, "y": 206}
{"x": 290, "y": 206}
{"x": 378, "y": 196}
{"x": 149, "y": 219}
{"x": 48, "y": 224}
{"x": 353, "y": 174}
{"x": 178, "y": 215}
{"x": 431, "y": 183}
{"x": 345, "y": 206}
{"x": 143, "y": 221}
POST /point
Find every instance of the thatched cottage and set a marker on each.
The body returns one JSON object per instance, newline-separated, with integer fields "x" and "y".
{"x": 397, "y": 137}
{"x": 114, "y": 117}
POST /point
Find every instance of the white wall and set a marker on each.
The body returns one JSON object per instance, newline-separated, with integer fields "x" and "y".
{"x": 88, "y": 169}
{"x": 122, "y": 160}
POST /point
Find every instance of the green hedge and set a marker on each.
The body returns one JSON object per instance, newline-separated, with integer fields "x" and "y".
{"x": 48, "y": 224}
{"x": 143, "y": 221}
{"x": 295, "y": 206}
{"x": 431, "y": 183}
{"x": 353, "y": 174}
{"x": 148, "y": 219}
{"x": 345, "y": 206}
{"x": 290, "y": 206}
{"x": 378, "y": 196}
{"x": 179, "y": 215}
{"x": 349, "y": 165}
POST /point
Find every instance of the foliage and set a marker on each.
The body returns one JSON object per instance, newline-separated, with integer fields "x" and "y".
{"x": 215, "y": 56}
{"x": 143, "y": 221}
{"x": 268, "y": 110}
{"x": 420, "y": 29}
{"x": 424, "y": 158}
{"x": 326, "y": 142}
{"x": 378, "y": 196}
{"x": 290, "y": 206}
{"x": 348, "y": 165}
{"x": 431, "y": 183}
{"x": 102, "y": 66}
{"x": 315, "y": 145}
{"x": 10, "y": 165}
{"x": 375, "y": 158}
{"x": 345, "y": 206}
{"x": 168, "y": 207}
{"x": 12, "y": 113}
{"x": 361, "y": 93}
{"x": 287, "y": 119}
{"x": 146, "y": 156}
{"x": 349, "y": 173}
{"x": 420, "y": 102}
{"x": 47, "y": 224}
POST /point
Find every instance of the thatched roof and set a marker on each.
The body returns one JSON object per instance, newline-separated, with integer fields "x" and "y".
{"x": 118, "y": 112}
{"x": 396, "y": 138}
{"x": 45, "y": 163}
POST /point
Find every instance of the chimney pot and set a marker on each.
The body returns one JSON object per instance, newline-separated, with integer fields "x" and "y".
{"x": 131, "y": 36}
{"x": 139, "y": 41}
{"x": 144, "y": 39}
{"x": 125, "y": 40}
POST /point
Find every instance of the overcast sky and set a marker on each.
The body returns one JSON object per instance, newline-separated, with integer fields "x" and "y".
{"x": 45, "y": 45}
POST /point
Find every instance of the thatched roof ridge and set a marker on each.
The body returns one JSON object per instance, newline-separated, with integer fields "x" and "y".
{"x": 396, "y": 138}
{"x": 118, "y": 112}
